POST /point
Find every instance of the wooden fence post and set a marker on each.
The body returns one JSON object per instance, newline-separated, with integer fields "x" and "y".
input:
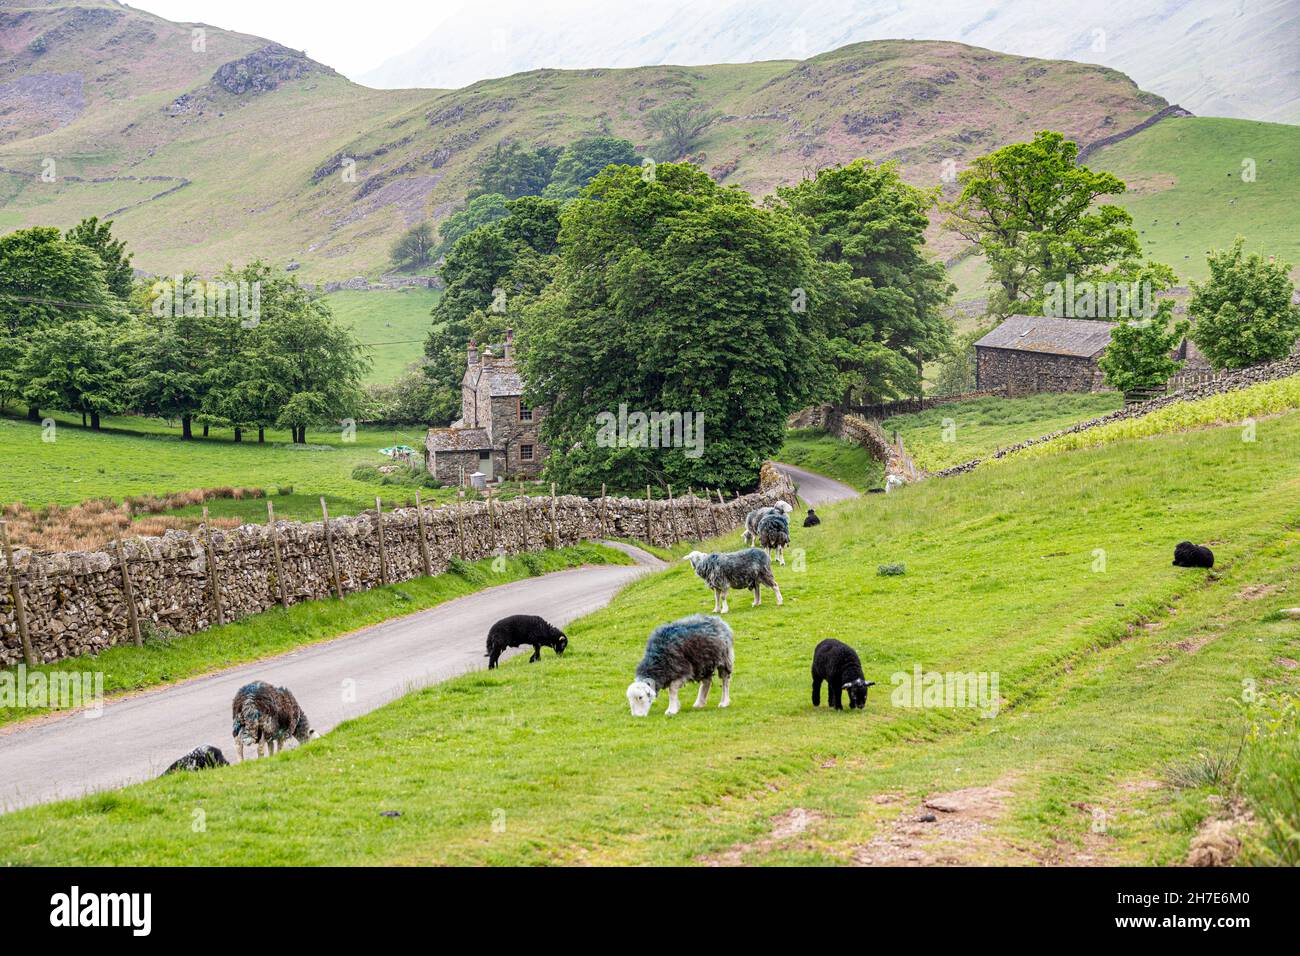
{"x": 555, "y": 528}
{"x": 672, "y": 516}
{"x": 460, "y": 521}
{"x": 649, "y": 536}
{"x": 329, "y": 549}
{"x": 214, "y": 576}
{"x": 424, "y": 543}
{"x": 129, "y": 596}
{"x": 523, "y": 524}
{"x": 379, "y": 530}
{"x": 20, "y": 610}
{"x": 275, "y": 551}
{"x": 492, "y": 519}
{"x": 721, "y": 504}
{"x": 695, "y": 514}
{"x": 604, "y": 511}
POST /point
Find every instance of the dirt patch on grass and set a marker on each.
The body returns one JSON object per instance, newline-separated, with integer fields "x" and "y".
{"x": 785, "y": 828}
{"x": 946, "y": 829}
{"x": 1218, "y": 841}
{"x": 1255, "y": 592}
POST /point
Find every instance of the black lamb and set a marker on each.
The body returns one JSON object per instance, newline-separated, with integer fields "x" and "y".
{"x": 811, "y": 519}
{"x": 838, "y": 664}
{"x": 267, "y": 716}
{"x": 1188, "y": 555}
{"x": 523, "y": 630}
{"x": 200, "y": 758}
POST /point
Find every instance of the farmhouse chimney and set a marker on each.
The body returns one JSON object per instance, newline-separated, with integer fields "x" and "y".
{"x": 471, "y": 355}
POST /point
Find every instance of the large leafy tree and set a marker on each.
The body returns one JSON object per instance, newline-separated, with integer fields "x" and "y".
{"x": 1243, "y": 312}
{"x": 168, "y": 355}
{"x": 1032, "y": 211}
{"x": 97, "y": 235}
{"x": 583, "y": 160}
{"x": 514, "y": 171}
{"x": 45, "y": 281}
{"x": 479, "y": 211}
{"x": 75, "y": 366}
{"x": 671, "y": 295}
{"x": 885, "y": 296}
{"x": 490, "y": 276}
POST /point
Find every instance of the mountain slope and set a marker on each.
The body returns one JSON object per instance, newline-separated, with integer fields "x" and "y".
{"x": 1239, "y": 60}
{"x": 241, "y": 150}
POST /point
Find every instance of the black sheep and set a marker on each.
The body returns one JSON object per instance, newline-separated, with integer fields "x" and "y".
{"x": 200, "y": 758}
{"x": 1188, "y": 555}
{"x": 837, "y": 664}
{"x": 523, "y": 630}
{"x": 811, "y": 519}
{"x": 267, "y": 716}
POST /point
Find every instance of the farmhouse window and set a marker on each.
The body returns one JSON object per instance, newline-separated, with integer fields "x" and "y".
{"x": 525, "y": 413}
{"x": 525, "y": 452}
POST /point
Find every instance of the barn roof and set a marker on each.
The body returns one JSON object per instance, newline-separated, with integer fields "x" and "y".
{"x": 1039, "y": 333}
{"x": 457, "y": 439}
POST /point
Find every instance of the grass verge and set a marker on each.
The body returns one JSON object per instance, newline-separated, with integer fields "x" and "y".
{"x": 833, "y": 457}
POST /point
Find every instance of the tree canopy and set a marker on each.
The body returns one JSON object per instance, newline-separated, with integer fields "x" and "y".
{"x": 1243, "y": 312}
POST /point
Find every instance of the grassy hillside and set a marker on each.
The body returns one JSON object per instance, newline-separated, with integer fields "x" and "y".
{"x": 134, "y": 100}
{"x": 394, "y": 323}
{"x": 1187, "y": 195}
{"x": 1114, "y": 668}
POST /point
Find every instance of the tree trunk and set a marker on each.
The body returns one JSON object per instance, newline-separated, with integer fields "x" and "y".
{"x": 205, "y": 429}
{"x": 94, "y": 420}
{"x": 83, "y": 419}
{"x": 187, "y": 427}
{"x": 33, "y": 413}
{"x": 261, "y": 434}
{"x": 302, "y": 434}
{"x": 239, "y": 434}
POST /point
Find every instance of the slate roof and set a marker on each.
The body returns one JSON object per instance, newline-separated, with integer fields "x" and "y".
{"x": 1083, "y": 338}
{"x": 505, "y": 381}
{"x": 457, "y": 439}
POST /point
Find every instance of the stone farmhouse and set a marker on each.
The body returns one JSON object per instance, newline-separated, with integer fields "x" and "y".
{"x": 496, "y": 434}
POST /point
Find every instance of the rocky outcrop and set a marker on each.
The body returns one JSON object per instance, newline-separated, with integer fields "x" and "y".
{"x": 264, "y": 70}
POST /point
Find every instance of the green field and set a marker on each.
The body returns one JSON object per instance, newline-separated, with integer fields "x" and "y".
{"x": 393, "y": 323}
{"x": 1116, "y": 671}
{"x": 134, "y": 456}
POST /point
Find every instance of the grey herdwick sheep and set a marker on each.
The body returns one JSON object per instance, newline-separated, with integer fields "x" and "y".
{"x": 267, "y": 716}
{"x": 749, "y": 535}
{"x": 749, "y": 568}
{"x": 774, "y": 535}
{"x": 691, "y": 649}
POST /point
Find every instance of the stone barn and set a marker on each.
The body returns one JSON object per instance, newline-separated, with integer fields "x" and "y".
{"x": 1036, "y": 353}
{"x": 496, "y": 432}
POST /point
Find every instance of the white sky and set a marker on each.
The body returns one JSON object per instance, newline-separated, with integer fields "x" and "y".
{"x": 352, "y": 36}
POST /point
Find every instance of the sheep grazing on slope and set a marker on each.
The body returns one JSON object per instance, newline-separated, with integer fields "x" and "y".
{"x": 893, "y": 482}
{"x": 811, "y": 519}
{"x": 774, "y": 535}
{"x": 749, "y": 569}
{"x": 267, "y": 716}
{"x": 200, "y": 758}
{"x": 838, "y": 665}
{"x": 523, "y": 630}
{"x": 1188, "y": 555}
{"x": 691, "y": 649}
{"x": 750, "y": 533}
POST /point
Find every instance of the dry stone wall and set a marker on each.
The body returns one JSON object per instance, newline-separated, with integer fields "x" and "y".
{"x": 75, "y": 602}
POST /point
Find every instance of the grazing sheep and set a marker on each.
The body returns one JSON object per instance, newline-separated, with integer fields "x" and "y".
{"x": 811, "y": 519}
{"x": 267, "y": 716}
{"x": 523, "y": 630}
{"x": 837, "y": 664}
{"x": 774, "y": 535}
{"x": 687, "y": 650}
{"x": 1188, "y": 555}
{"x": 749, "y": 568}
{"x": 750, "y": 534}
{"x": 892, "y": 482}
{"x": 200, "y": 758}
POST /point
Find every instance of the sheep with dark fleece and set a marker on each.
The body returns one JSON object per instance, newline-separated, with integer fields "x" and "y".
{"x": 1188, "y": 555}
{"x": 811, "y": 519}
{"x": 774, "y": 535}
{"x": 267, "y": 716}
{"x": 749, "y": 568}
{"x": 838, "y": 665}
{"x": 200, "y": 758}
{"x": 750, "y": 533}
{"x": 523, "y": 630}
{"x": 691, "y": 649}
